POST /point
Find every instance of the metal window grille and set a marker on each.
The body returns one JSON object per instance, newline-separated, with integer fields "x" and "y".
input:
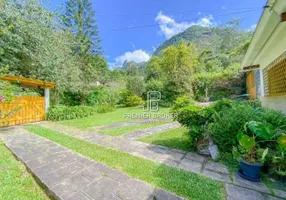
{"x": 275, "y": 77}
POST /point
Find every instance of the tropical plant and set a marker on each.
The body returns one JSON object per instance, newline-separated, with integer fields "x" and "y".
{"x": 248, "y": 149}
{"x": 249, "y": 145}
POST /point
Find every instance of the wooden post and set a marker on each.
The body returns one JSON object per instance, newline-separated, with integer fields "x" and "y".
{"x": 283, "y": 17}
{"x": 47, "y": 99}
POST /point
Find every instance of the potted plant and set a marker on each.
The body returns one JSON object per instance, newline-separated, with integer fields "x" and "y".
{"x": 251, "y": 156}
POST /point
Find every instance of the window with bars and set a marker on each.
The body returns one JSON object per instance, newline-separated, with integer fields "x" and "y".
{"x": 275, "y": 77}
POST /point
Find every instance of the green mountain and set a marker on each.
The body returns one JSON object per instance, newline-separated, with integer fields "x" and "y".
{"x": 217, "y": 40}
{"x": 127, "y": 64}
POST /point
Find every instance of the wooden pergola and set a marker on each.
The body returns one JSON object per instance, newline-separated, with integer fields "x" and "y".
{"x": 32, "y": 83}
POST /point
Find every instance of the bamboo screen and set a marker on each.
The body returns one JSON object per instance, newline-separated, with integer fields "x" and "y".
{"x": 275, "y": 77}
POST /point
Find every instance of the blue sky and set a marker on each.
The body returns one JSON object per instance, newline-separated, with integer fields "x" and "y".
{"x": 173, "y": 15}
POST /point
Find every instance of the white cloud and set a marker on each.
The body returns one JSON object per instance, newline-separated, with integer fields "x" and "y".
{"x": 170, "y": 27}
{"x": 137, "y": 55}
{"x": 252, "y": 28}
{"x": 223, "y": 7}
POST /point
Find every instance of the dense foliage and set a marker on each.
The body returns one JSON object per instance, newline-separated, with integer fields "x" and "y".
{"x": 65, "y": 113}
{"x": 34, "y": 45}
{"x": 237, "y": 127}
{"x": 233, "y": 120}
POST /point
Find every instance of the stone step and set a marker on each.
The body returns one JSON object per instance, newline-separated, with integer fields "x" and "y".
{"x": 124, "y": 124}
{"x": 150, "y": 131}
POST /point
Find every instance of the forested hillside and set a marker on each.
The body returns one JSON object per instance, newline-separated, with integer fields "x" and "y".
{"x": 219, "y": 39}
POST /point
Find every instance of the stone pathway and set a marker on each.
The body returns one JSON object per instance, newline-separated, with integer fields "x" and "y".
{"x": 123, "y": 124}
{"x": 150, "y": 131}
{"x": 70, "y": 176}
{"x": 188, "y": 161}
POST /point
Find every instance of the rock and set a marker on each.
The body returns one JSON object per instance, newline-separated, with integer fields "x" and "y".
{"x": 213, "y": 149}
{"x": 210, "y": 149}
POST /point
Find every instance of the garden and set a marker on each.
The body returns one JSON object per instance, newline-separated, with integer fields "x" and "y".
{"x": 248, "y": 136}
{"x": 251, "y": 134}
{"x": 208, "y": 144}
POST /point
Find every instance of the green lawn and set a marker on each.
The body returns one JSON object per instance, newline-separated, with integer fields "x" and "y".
{"x": 178, "y": 138}
{"x": 183, "y": 183}
{"x": 106, "y": 118}
{"x": 128, "y": 129}
{"x": 15, "y": 181}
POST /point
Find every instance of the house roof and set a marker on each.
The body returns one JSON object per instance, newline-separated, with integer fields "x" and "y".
{"x": 268, "y": 24}
{"x": 28, "y": 81}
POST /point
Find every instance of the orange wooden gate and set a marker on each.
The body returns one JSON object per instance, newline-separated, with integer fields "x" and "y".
{"x": 29, "y": 109}
{"x": 251, "y": 87}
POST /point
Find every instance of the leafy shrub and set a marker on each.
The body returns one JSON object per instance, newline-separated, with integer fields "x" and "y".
{"x": 123, "y": 95}
{"x": 191, "y": 115}
{"x": 224, "y": 119}
{"x": 180, "y": 103}
{"x": 101, "y": 96}
{"x": 274, "y": 117}
{"x": 66, "y": 113}
{"x": 194, "y": 118}
{"x": 70, "y": 98}
{"x": 221, "y": 105}
{"x": 129, "y": 99}
{"x": 228, "y": 122}
{"x": 134, "y": 101}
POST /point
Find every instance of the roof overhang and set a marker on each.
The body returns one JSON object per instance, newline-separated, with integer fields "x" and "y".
{"x": 27, "y": 82}
{"x": 271, "y": 17}
{"x": 249, "y": 68}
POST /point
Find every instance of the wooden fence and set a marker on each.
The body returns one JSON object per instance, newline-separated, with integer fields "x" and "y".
{"x": 23, "y": 110}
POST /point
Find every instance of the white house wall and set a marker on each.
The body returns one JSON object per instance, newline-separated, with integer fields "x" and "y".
{"x": 275, "y": 46}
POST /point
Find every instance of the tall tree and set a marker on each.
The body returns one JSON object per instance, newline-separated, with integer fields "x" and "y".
{"x": 79, "y": 18}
